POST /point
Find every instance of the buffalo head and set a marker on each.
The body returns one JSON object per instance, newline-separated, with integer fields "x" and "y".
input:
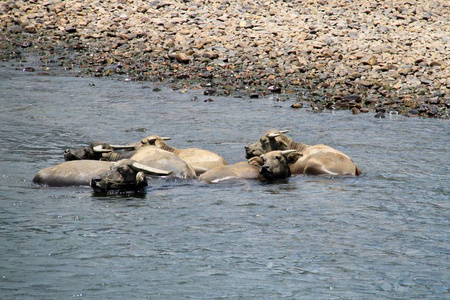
{"x": 275, "y": 164}
{"x": 271, "y": 140}
{"x": 94, "y": 151}
{"x": 125, "y": 175}
{"x": 153, "y": 140}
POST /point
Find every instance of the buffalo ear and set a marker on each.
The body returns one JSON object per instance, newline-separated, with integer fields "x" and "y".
{"x": 199, "y": 170}
{"x": 283, "y": 145}
{"x": 293, "y": 157}
{"x": 256, "y": 161}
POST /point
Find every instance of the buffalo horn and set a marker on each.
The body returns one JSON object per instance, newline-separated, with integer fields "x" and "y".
{"x": 286, "y": 152}
{"x": 100, "y": 149}
{"x": 140, "y": 167}
{"x": 155, "y": 137}
{"x": 273, "y": 135}
{"x": 123, "y": 147}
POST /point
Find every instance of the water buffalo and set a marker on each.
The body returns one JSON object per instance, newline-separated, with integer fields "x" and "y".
{"x": 201, "y": 160}
{"x": 267, "y": 167}
{"x": 125, "y": 174}
{"x": 316, "y": 160}
{"x": 158, "y": 158}
{"x": 151, "y": 156}
{"x": 98, "y": 151}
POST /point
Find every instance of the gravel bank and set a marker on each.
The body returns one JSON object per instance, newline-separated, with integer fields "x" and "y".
{"x": 367, "y": 56}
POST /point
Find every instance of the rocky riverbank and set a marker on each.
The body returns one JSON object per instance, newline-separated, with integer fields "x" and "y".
{"x": 367, "y": 56}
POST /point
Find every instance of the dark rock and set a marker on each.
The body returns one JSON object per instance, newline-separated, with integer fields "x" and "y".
{"x": 15, "y": 29}
{"x": 29, "y": 69}
{"x": 380, "y": 115}
{"x": 206, "y": 74}
{"x": 383, "y": 29}
{"x": 355, "y": 98}
{"x": 276, "y": 89}
{"x": 427, "y": 16}
{"x": 70, "y": 29}
{"x": 182, "y": 76}
{"x": 210, "y": 55}
{"x": 331, "y": 105}
{"x": 208, "y": 92}
{"x": 24, "y": 44}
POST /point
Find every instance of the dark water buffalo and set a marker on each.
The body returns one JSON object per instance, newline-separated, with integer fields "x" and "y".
{"x": 201, "y": 160}
{"x": 101, "y": 175}
{"x": 267, "y": 167}
{"x": 316, "y": 160}
{"x": 125, "y": 174}
{"x": 99, "y": 151}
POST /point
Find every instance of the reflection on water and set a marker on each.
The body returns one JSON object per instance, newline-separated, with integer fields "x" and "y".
{"x": 383, "y": 234}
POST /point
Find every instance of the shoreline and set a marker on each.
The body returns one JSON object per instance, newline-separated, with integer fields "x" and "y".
{"x": 359, "y": 56}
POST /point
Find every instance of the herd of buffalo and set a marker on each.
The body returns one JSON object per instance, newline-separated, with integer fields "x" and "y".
{"x": 106, "y": 167}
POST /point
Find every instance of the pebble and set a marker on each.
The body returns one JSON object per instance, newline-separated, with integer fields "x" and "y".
{"x": 297, "y": 105}
{"x": 182, "y": 58}
{"x": 380, "y": 115}
{"x": 350, "y": 49}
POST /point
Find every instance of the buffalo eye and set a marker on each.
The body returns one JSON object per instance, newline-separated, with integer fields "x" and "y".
{"x": 278, "y": 157}
{"x": 121, "y": 169}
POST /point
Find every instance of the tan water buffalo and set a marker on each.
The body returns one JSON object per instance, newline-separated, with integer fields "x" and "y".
{"x": 267, "y": 167}
{"x": 157, "y": 158}
{"x": 125, "y": 174}
{"x": 201, "y": 160}
{"x": 316, "y": 160}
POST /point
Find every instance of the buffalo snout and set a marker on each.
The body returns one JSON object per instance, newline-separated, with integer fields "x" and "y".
{"x": 68, "y": 155}
{"x": 95, "y": 179}
{"x": 264, "y": 169}
{"x": 252, "y": 151}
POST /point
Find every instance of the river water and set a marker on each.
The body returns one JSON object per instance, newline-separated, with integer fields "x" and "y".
{"x": 384, "y": 235}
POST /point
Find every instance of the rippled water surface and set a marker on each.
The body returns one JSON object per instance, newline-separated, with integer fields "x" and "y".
{"x": 385, "y": 234}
